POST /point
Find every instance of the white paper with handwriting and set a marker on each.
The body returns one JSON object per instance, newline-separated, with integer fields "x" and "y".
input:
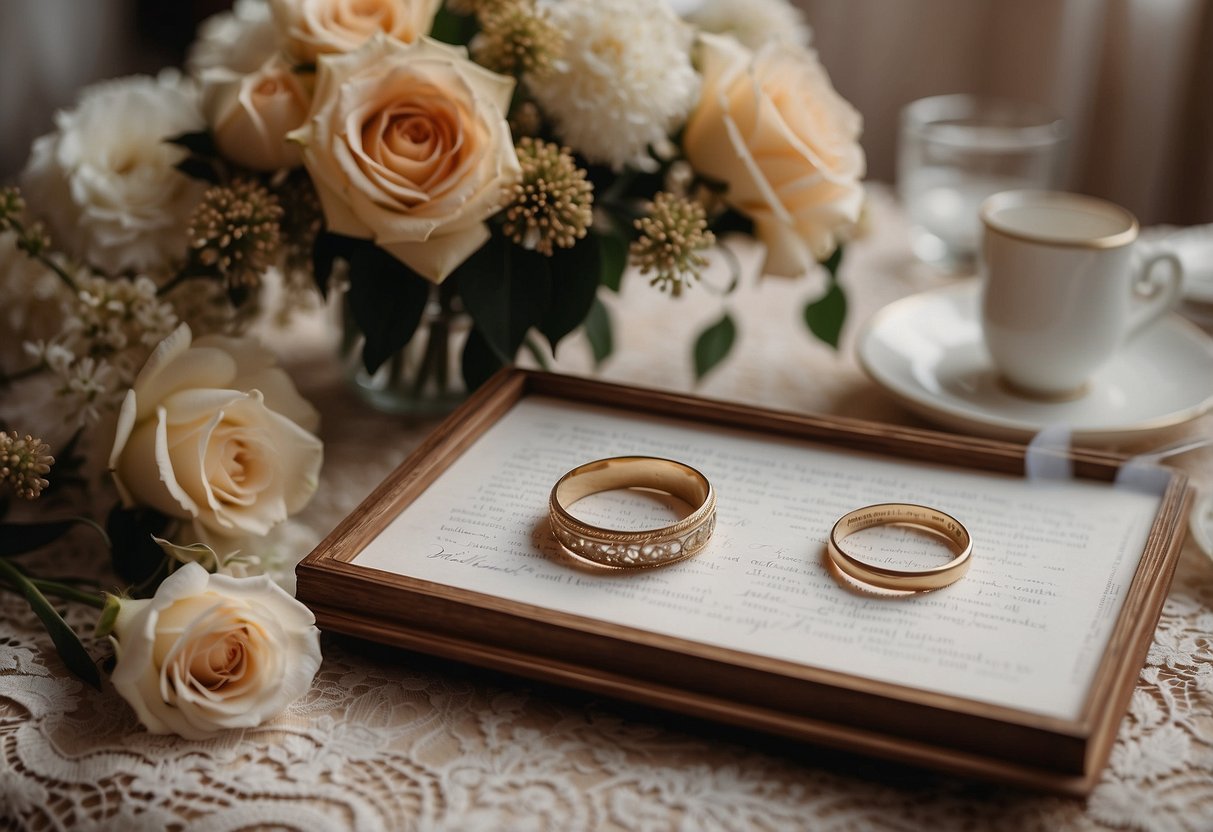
{"x": 1025, "y": 628}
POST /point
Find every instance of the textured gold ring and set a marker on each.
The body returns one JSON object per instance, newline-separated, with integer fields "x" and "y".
{"x": 633, "y": 549}
{"x": 902, "y": 514}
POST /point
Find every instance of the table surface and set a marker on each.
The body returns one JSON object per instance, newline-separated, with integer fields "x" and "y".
{"x": 388, "y": 739}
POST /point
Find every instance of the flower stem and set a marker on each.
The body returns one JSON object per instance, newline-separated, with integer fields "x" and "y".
{"x": 14, "y": 578}
{"x": 22, "y": 374}
{"x": 68, "y": 593}
{"x": 21, "y": 230}
{"x": 177, "y": 279}
{"x": 59, "y": 272}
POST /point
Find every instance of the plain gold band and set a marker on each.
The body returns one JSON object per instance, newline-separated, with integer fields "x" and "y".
{"x": 902, "y": 514}
{"x": 633, "y": 549}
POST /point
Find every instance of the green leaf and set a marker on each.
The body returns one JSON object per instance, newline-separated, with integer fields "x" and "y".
{"x": 825, "y": 316}
{"x": 479, "y": 360}
{"x": 537, "y": 353}
{"x": 198, "y": 143}
{"x": 713, "y": 344}
{"x": 387, "y": 299}
{"x": 16, "y": 538}
{"x": 598, "y": 332}
{"x": 136, "y": 557}
{"x": 574, "y": 278}
{"x": 453, "y": 28}
{"x": 614, "y": 261}
{"x": 506, "y": 290}
{"x": 70, "y": 648}
{"x": 327, "y": 248}
{"x": 832, "y": 262}
{"x": 198, "y": 168}
{"x": 732, "y": 220}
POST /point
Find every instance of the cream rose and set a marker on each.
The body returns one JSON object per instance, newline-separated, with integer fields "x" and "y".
{"x": 250, "y": 115}
{"x": 213, "y": 431}
{"x": 408, "y": 145}
{"x": 212, "y": 652}
{"x": 770, "y": 126}
{"x": 317, "y": 27}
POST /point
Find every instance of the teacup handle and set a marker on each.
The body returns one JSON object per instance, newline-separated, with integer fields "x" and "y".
{"x": 1156, "y": 297}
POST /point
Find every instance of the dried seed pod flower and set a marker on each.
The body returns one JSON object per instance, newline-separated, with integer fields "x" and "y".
{"x": 671, "y": 239}
{"x": 24, "y": 463}
{"x": 235, "y": 231}
{"x": 516, "y": 38}
{"x": 551, "y": 204}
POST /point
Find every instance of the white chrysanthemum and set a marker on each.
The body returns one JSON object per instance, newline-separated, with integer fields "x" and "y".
{"x": 105, "y": 180}
{"x": 624, "y": 81}
{"x": 753, "y": 22}
{"x": 238, "y": 41}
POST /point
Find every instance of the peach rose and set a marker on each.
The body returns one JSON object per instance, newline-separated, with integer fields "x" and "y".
{"x": 316, "y": 27}
{"x": 212, "y": 431}
{"x": 770, "y": 126}
{"x": 408, "y": 145}
{"x": 250, "y": 115}
{"x": 212, "y": 652}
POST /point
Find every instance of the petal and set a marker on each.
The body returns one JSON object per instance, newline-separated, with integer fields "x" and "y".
{"x": 436, "y": 258}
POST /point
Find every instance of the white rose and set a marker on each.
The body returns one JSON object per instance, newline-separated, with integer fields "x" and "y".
{"x": 250, "y": 115}
{"x": 104, "y": 180}
{"x": 236, "y": 41}
{"x": 317, "y": 27}
{"x": 212, "y": 652}
{"x": 215, "y": 432}
{"x": 753, "y": 22}
{"x": 408, "y": 145}
{"x": 770, "y": 126}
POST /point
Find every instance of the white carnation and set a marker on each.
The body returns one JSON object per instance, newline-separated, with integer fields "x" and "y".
{"x": 624, "y": 81}
{"x": 104, "y": 181}
{"x": 238, "y": 41}
{"x": 753, "y": 22}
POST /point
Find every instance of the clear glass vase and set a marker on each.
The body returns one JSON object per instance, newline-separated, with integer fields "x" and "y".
{"x": 424, "y": 378}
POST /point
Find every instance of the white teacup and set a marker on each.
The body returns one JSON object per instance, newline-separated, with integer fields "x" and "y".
{"x": 1062, "y": 290}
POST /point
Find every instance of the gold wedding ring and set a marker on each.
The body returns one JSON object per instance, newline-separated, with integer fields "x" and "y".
{"x": 633, "y": 549}
{"x": 902, "y": 514}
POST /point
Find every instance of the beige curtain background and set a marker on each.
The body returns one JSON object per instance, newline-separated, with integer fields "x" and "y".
{"x": 1132, "y": 78}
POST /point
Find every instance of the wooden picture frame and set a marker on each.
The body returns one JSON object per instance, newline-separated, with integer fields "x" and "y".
{"x": 807, "y": 703}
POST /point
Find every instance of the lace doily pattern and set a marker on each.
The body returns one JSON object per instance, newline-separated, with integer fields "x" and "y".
{"x": 387, "y": 739}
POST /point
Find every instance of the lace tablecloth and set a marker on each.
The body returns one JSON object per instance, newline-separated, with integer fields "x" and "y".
{"x": 391, "y": 740}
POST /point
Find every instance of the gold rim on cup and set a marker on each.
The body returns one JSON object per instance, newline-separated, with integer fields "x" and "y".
{"x": 643, "y": 548}
{"x": 902, "y": 514}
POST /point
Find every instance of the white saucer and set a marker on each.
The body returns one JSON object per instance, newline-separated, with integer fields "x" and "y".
{"x": 927, "y": 351}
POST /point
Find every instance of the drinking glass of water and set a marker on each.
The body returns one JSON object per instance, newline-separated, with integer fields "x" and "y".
{"x": 956, "y": 150}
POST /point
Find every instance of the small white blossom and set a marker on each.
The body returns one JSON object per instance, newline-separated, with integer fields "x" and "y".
{"x": 623, "y": 81}
{"x": 91, "y": 386}
{"x": 109, "y": 329}
{"x": 32, "y": 299}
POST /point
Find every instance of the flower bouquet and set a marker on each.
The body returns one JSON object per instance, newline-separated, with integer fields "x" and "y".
{"x": 482, "y": 167}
